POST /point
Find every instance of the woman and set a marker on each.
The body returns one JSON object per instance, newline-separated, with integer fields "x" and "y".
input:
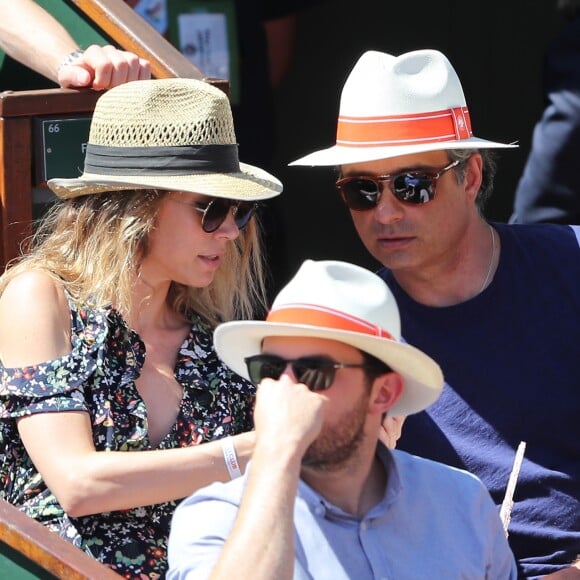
{"x": 105, "y": 326}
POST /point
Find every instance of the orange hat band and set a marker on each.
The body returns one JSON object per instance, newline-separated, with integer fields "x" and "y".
{"x": 447, "y": 125}
{"x": 313, "y": 315}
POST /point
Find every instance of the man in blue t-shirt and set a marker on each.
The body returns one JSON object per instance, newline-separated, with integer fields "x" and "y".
{"x": 498, "y": 306}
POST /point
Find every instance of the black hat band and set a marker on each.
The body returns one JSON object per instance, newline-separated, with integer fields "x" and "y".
{"x": 170, "y": 160}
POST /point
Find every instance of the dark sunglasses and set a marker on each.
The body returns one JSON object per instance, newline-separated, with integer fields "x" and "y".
{"x": 316, "y": 372}
{"x": 363, "y": 192}
{"x": 216, "y": 211}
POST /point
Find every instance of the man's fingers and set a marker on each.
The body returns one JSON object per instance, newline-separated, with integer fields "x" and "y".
{"x": 104, "y": 67}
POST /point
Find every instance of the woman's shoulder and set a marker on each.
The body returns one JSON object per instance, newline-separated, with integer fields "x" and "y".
{"x": 32, "y": 294}
{"x": 34, "y": 318}
{"x": 35, "y": 284}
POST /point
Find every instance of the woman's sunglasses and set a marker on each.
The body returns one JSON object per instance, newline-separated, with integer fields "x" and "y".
{"x": 316, "y": 372}
{"x": 361, "y": 192}
{"x": 216, "y": 211}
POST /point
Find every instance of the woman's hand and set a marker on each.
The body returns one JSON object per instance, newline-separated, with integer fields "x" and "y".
{"x": 390, "y": 431}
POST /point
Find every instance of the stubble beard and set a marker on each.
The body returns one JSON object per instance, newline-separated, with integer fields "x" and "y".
{"x": 339, "y": 442}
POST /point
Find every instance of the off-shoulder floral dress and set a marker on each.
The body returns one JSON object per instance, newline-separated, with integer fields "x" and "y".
{"x": 98, "y": 377}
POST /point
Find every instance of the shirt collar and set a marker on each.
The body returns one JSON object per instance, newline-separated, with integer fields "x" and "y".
{"x": 321, "y": 507}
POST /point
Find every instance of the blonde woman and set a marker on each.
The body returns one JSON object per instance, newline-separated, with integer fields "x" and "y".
{"x": 109, "y": 379}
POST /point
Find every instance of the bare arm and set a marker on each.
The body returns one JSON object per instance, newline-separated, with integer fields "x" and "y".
{"x": 261, "y": 546}
{"x": 35, "y": 327}
{"x": 87, "y": 481}
{"x": 31, "y": 35}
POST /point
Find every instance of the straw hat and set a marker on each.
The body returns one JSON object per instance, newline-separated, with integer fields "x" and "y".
{"x": 175, "y": 134}
{"x": 392, "y": 106}
{"x": 344, "y": 302}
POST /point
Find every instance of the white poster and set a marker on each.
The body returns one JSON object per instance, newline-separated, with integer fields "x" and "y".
{"x": 203, "y": 40}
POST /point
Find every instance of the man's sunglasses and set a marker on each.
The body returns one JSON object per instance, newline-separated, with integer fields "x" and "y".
{"x": 216, "y": 211}
{"x": 316, "y": 372}
{"x": 362, "y": 192}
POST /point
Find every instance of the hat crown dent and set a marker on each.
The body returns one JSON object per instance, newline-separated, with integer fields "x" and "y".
{"x": 345, "y": 288}
{"x": 417, "y": 81}
{"x": 162, "y": 113}
{"x": 394, "y": 106}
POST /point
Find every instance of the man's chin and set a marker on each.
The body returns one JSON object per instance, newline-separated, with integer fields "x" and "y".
{"x": 322, "y": 464}
{"x": 330, "y": 458}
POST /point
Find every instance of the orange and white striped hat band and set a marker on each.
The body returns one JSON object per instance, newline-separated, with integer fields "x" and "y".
{"x": 411, "y": 129}
{"x": 315, "y": 315}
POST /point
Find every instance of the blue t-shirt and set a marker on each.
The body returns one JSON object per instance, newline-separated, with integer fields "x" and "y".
{"x": 511, "y": 359}
{"x": 433, "y": 522}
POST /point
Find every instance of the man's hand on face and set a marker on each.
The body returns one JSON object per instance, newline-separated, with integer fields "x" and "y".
{"x": 288, "y": 413}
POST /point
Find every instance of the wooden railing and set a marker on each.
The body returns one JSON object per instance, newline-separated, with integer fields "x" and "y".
{"x": 31, "y": 547}
{"x": 18, "y": 111}
{"x": 122, "y": 24}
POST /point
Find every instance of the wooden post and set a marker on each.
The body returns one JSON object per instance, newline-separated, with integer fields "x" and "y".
{"x": 15, "y": 185}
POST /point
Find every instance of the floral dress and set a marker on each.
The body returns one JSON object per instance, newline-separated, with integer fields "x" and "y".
{"x": 98, "y": 377}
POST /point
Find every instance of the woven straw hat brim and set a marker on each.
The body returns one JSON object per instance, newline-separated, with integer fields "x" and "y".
{"x": 251, "y": 183}
{"x": 342, "y": 155}
{"x": 423, "y": 378}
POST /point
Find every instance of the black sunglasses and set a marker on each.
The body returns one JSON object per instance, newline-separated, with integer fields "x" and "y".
{"x": 316, "y": 372}
{"x": 216, "y": 211}
{"x": 362, "y": 192}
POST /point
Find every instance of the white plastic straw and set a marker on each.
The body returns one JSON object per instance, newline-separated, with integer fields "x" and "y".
{"x": 508, "y": 504}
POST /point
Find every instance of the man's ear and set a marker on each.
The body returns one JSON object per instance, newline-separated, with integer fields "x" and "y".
{"x": 473, "y": 175}
{"x": 385, "y": 392}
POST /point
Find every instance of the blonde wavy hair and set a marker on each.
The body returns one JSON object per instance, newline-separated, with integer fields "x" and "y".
{"x": 93, "y": 246}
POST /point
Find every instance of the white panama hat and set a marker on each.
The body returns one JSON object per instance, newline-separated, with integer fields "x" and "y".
{"x": 392, "y": 106}
{"x": 338, "y": 301}
{"x": 171, "y": 134}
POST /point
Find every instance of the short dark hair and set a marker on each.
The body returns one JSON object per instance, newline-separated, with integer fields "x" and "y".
{"x": 374, "y": 367}
{"x": 488, "y": 171}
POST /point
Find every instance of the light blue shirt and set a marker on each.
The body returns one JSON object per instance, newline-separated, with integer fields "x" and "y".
{"x": 434, "y": 522}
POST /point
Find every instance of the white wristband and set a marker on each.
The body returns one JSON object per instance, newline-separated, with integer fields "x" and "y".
{"x": 230, "y": 457}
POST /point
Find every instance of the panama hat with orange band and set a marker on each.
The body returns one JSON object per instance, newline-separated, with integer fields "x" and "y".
{"x": 344, "y": 302}
{"x": 400, "y": 105}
